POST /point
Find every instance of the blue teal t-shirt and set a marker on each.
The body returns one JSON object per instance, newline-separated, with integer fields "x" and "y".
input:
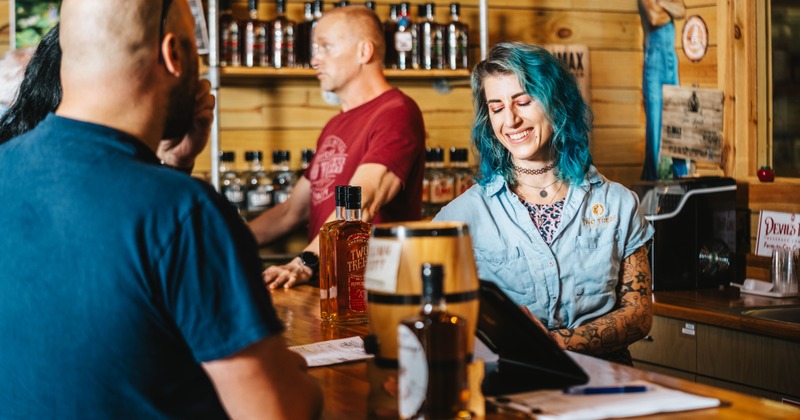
{"x": 118, "y": 277}
{"x": 573, "y": 280}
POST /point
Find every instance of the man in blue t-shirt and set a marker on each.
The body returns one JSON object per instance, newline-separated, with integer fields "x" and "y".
{"x": 128, "y": 289}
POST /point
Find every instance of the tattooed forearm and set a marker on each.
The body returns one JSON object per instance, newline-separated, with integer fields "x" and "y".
{"x": 629, "y": 321}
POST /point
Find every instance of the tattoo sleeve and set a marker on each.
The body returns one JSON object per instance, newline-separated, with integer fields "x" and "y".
{"x": 630, "y": 319}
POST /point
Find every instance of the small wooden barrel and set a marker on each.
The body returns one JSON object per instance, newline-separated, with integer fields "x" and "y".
{"x": 394, "y": 277}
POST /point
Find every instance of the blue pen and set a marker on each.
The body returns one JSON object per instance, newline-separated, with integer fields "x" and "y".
{"x": 605, "y": 390}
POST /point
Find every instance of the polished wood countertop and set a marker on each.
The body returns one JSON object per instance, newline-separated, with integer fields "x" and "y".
{"x": 346, "y": 388}
{"x": 723, "y": 308}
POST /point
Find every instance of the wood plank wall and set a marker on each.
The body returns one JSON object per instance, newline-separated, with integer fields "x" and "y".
{"x": 271, "y": 114}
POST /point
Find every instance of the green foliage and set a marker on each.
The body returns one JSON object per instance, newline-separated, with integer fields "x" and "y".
{"x": 33, "y": 18}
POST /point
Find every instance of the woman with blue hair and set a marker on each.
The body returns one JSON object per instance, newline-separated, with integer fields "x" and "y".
{"x": 564, "y": 242}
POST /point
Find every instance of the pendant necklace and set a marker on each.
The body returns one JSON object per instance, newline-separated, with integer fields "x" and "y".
{"x": 543, "y": 192}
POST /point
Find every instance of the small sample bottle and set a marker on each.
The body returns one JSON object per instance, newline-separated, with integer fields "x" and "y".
{"x": 404, "y": 38}
{"x": 283, "y": 178}
{"x": 230, "y": 183}
{"x": 430, "y": 39}
{"x": 432, "y": 356}
{"x": 258, "y": 184}
{"x": 389, "y": 28}
{"x": 306, "y": 155}
{"x": 350, "y": 242}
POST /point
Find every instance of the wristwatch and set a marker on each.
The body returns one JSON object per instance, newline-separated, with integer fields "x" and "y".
{"x": 310, "y": 260}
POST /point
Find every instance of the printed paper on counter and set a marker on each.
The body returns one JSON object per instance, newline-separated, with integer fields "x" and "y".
{"x": 332, "y": 352}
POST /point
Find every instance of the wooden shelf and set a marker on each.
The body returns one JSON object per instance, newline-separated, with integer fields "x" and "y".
{"x": 302, "y": 73}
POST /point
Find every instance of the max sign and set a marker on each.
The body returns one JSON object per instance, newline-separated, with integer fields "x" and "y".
{"x": 576, "y": 58}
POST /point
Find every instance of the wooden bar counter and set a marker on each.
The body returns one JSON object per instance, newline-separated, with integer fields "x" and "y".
{"x": 346, "y": 387}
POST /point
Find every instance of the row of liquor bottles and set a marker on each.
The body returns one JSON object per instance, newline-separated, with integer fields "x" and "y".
{"x": 282, "y": 43}
{"x": 258, "y": 188}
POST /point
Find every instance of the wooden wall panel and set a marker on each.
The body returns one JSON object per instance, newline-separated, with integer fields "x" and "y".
{"x": 5, "y": 30}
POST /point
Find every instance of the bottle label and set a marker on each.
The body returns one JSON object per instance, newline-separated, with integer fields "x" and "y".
{"x": 383, "y": 265}
{"x": 403, "y": 41}
{"x": 442, "y": 191}
{"x": 235, "y": 196}
{"x": 413, "y": 372}
{"x": 357, "y": 249}
{"x": 258, "y": 199}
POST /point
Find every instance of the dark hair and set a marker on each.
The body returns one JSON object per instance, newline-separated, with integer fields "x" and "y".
{"x": 40, "y": 91}
{"x": 545, "y": 78}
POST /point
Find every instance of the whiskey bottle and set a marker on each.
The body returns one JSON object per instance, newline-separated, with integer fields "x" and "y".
{"x": 441, "y": 182}
{"x": 254, "y": 48}
{"x": 230, "y": 183}
{"x": 430, "y": 39}
{"x": 370, "y": 5}
{"x": 350, "y": 242}
{"x": 283, "y": 178}
{"x": 459, "y": 167}
{"x": 229, "y": 37}
{"x": 258, "y": 184}
{"x": 306, "y": 155}
{"x": 281, "y": 35}
{"x": 404, "y": 38}
{"x": 457, "y": 40}
{"x": 389, "y": 28}
{"x": 303, "y": 37}
{"x": 432, "y": 357}
{"x": 327, "y": 289}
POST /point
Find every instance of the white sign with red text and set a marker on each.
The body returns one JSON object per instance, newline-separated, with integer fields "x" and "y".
{"x": 777, "y": 230}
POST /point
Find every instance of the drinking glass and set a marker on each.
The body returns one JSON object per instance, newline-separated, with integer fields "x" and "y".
{"x": 783, "y": 271}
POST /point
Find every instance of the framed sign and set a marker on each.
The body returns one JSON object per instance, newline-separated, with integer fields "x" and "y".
{"x": 695, "y": 38}
{"x": 576, "y": 58}
{"x": 30, "y": 20}
{"x": 777, "y": 230}
{"x": 691, "y": 124}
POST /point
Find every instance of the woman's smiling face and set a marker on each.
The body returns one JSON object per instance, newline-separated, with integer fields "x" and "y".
{"x": 518, "y": 119}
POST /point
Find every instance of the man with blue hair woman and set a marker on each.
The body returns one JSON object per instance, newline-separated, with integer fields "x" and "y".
{"x": 564, "y": 242}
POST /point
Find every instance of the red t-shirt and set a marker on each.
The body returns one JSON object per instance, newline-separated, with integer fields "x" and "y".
{"x": 387, "y": 130}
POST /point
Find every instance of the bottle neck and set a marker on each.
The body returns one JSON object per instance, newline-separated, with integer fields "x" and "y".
{"x": 352, "y": 214}
{"x": 339, "y": 212}
{"x": 433, "y": 303}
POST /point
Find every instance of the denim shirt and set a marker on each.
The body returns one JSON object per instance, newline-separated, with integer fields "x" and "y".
{"x": 572, "y": 281}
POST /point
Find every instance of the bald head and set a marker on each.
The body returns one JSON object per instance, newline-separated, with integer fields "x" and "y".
{"x": 107, "y": 37}
{"x": 363, "y": 25}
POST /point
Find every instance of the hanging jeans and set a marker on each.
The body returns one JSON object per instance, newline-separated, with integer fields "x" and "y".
{"x": 660, "y": 68}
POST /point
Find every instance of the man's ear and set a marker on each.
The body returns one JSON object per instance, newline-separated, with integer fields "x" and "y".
{"x": 171, "y": 53}
{"x": 366, "y": 50}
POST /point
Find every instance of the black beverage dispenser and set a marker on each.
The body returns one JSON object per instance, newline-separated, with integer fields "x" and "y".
{"x": 695, "y": 231}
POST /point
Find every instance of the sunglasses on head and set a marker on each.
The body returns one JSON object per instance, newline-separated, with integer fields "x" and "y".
{"x": 162, "y": 29}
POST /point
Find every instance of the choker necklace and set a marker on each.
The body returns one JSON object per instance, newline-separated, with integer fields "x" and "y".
{"x": 527, "y": 171}
{"x": 543, "y": 192}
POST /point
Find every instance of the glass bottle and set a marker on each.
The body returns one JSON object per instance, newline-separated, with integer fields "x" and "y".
{"x": 404, "y": 38}
{"x": 426, "y": 184}
{"x": 259, "y": 185}
{"x": 229, "y": 37}
{"x": 230, "y": 183}
{"x": 281, "y": 35}
{"x": 457, "y": 40}
{"x": 327, "y": 288}
{"x": 430, "y": 39}
{"x": 303, "y": 37}
{"x": 432, "y": 356}
{"x": 342, "y": 3}
{"x": 370, "y": 5}
{"x": 459, "y": 166}
{"x": 306, "y": 155}
{"x": 350, "y": 241}
{"x": 389, "y": 28}
{"x": 254, "y": 48}
{"x": 283, "y": 179}
{"x": 441, "y": 182}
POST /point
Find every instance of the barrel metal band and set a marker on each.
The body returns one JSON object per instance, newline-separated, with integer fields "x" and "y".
{"x": 417, "y": 299}
{"x": 430, "y": 232}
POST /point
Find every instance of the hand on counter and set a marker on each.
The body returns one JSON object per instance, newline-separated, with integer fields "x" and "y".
{"x": 181, "y": 153}
{"x": 287, "y": 275}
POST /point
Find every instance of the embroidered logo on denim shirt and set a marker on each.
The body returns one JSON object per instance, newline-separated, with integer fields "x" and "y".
{"x": 598, "y": 210}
